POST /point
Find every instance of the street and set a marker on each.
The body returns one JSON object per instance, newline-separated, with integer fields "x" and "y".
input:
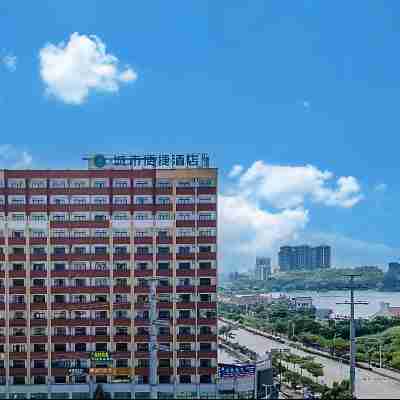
{"x": 369, "y": 385}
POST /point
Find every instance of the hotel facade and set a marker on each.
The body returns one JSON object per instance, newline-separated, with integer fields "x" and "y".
{"x": 81, "y": 252}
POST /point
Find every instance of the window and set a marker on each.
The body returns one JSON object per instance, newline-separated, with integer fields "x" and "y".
{"x": 80, "y": 347}
{"x": 142, "y": 347}
{"x": 60, "y": 379}
{"x": 121, "y": 330}
{"x": 80, "y": 331}
{"x": 185, "y": 379}
{"x": 101, "y": 346}
{"x": 101, "y": 331}
{"x": 184, "y": 330}
{"x": 39, "y": 347}
{"x": 205, "y": 347}
{"x": 19, "y": 380}
{"x": 18, "y": 267}
{"x": 185, "y": 363}
{"x": 122, "y": 363}
{"x": 184, "y": 346}
{"x": 121, "y": 183}
{"x": 163, "y": 250}
{"x": 18, "y": 282}
{"x": 39, "y": 364}
{"x": 143, "y": 363}
{"x": 164, "y": 379}
{"x": 184, "y": 250}
{"x": 205, "y": 379}
{"x": 123, "y": 347}
{"x": 38, "y": 331}
{"x": 205, "y": 363}
{"x": 163, "y": 266}
{"x": 205, "y": 265}
{"x": 205, "y": 249}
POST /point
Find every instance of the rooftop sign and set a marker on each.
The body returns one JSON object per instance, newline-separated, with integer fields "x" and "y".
{"x": 162, "y": 161}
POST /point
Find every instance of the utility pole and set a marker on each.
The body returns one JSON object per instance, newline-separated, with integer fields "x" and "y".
{"x": 352, "y": 303}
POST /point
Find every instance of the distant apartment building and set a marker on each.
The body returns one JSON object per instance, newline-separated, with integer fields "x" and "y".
{"x": 263, "y": 268}
{"x": 292, "y": 258}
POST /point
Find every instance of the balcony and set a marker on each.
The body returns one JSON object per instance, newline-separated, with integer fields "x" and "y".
{"x": 181, "y": 273}
{"x": 141, "y": 273}
{"x": 185, "y": 338}
{"x": 185, "y": 256}
{"x": 207, "y": 321}
{"x": 185, "y": 305}
{"x": 143, "y": 257}
{"x": 185, "y": 289}
{"x": 185, "y": 207}
{"x": 207, "y": 272}
{"x": 207, "y": 239}
{"x": 139, "y": 289}
{"x": 163, "y": 272}
{"x": 164, "y": 239}
{"x": 12, "y": 241}
{"x": 207, "y": 207}
{"x": 17, "y": 257}
{"x": 186, "y": 321}
{"x": 207, "y": 223}
{"x": 80, "y": 289}
{"x": 186, "y": 371}
{"x": 79, "y": 224}
{"x": 142, "y": 321}
{"x": 164, "y": 257}
{"x": 185, "y": 223}
{"x": 207, "y": 337}
{"x": 121, "y": 240}
{"x": 185, "y": 191}
{"x": 18, "y": 372}
{"x": 207, "y": 289}
{"x": 206, "y": 190}
{"x": 207, "y": 256}
{"x": 121, "y": 256}
{"x": 122, "y": 289}
{"x": 164, "y": 289}
{"x": 207, "y": 354}
{"x": 143, "y": 240}
{"x": 185, "y": 240}
{"x": 207, "y": 305}
{"x": 18, "y": 322}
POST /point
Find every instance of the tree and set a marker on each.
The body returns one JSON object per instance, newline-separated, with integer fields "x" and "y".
{"x": 339, "y": 391}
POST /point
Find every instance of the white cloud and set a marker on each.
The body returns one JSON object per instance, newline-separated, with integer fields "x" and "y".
{"x": 380, "y": 187}
{"x": 72, "y": 70}
{"x": 290, "y": 186}
{"x": 235, "y": 171}
{"x": 267, "y": 207}
{"x": 247, "y": 230}
{"x": 10, "y": 62}
{"x": 13, "y": 158}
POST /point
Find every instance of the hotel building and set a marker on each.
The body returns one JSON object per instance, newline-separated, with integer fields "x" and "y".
{"x": 79, "y": 251}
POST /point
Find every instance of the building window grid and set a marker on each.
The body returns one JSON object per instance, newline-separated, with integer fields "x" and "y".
{"x": 138, "y": 184}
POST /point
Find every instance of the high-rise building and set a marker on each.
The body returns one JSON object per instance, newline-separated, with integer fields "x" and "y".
{"x": 304, "y": 257}
{"x": 263, "y": 268}
{"x": 81, "y": 250}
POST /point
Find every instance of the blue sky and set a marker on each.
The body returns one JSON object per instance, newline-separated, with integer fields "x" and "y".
{"x": 288, "y": 83}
